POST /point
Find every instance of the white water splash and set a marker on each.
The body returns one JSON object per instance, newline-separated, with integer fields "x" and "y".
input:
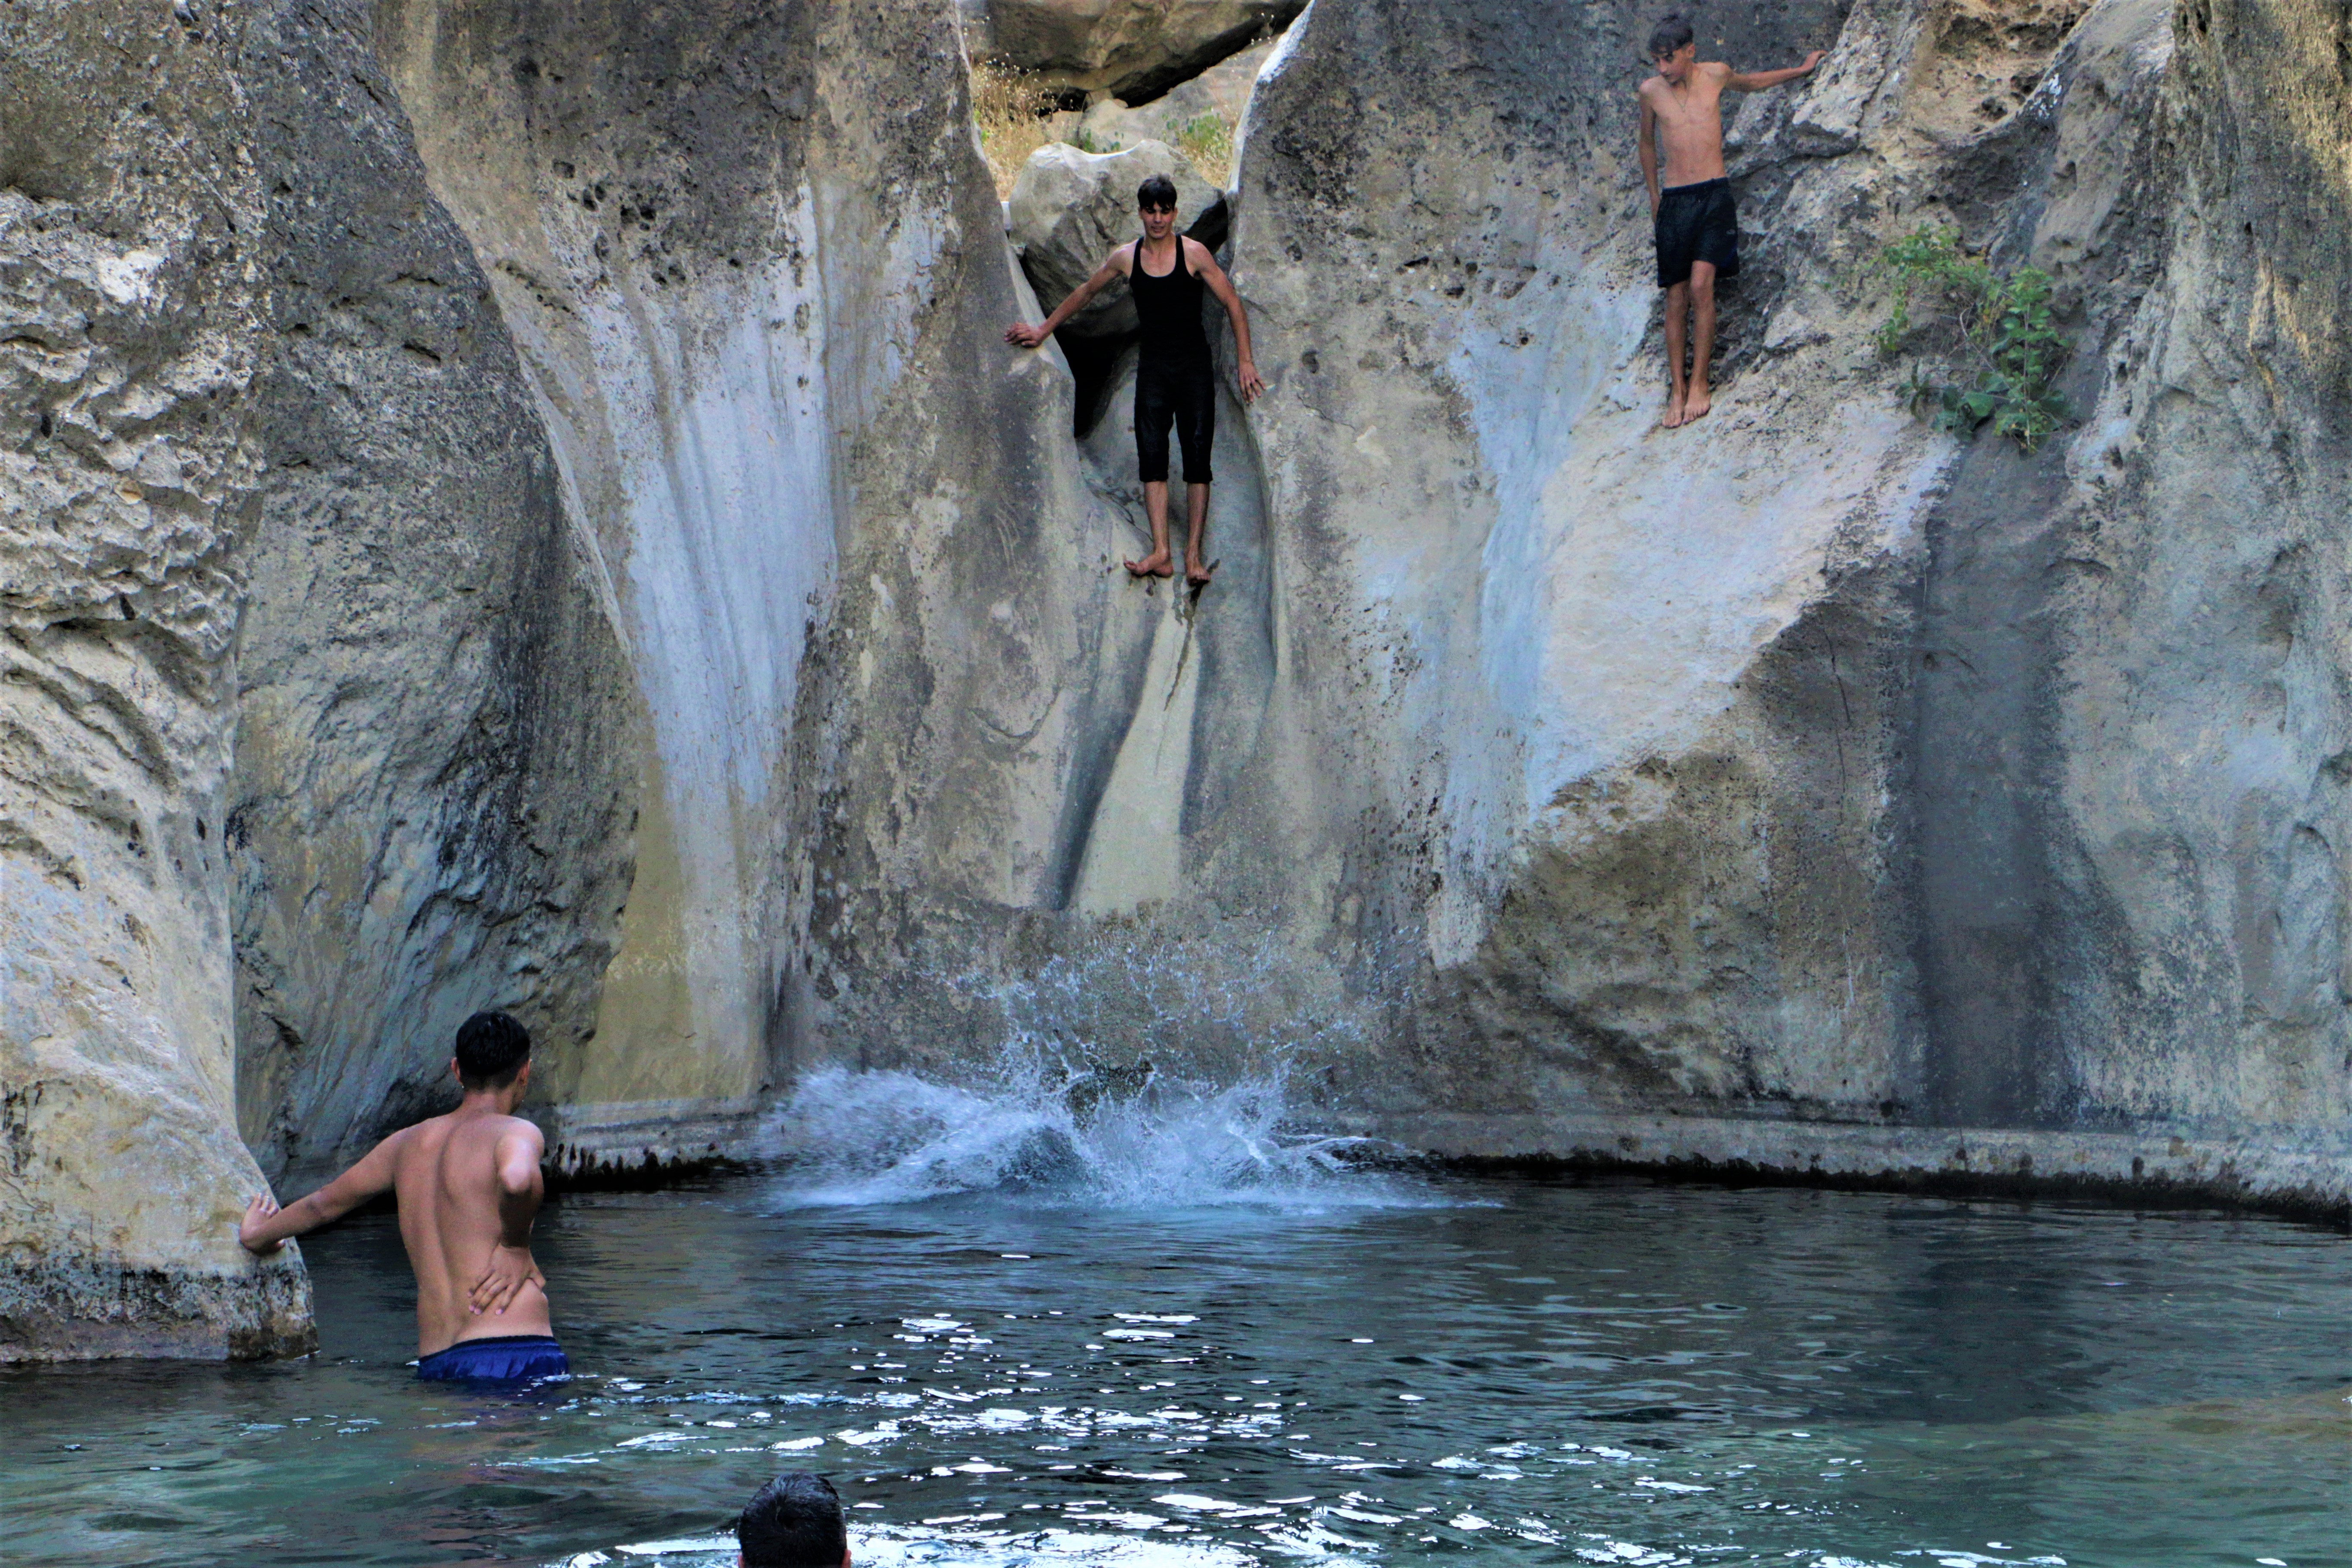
{"x": 1063, "y": 1137}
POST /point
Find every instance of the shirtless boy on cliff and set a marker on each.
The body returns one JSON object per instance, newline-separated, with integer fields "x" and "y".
{"x": 468, "y": 1187}
{"x": 1697, "y": 232}
{"x": 1174, "y": 383}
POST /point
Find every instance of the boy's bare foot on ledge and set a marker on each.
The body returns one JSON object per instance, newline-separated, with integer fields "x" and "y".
{"x": 1159, "y": 564}
{"x": 1674, "y": 419}
{"x": 1199, "y": 576}
{"x": 1695, "y": 405}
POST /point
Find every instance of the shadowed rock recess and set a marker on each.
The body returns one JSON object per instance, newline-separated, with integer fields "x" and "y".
{"x": 524, "y": 504}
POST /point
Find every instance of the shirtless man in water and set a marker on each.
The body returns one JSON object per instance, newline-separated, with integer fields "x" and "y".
{"x": 468, "y": 1187}
{"x": 1697, "y": 231}
{"x": 1175, "y": 382}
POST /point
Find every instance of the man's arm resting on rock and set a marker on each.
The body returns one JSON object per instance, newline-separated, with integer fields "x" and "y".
{"x": 267, "y": 1227}
{"x": 1756, "y": 81}
{"x": 521, "y": 1187}
{"x": 1030, "y": 337}
{"x": 1213, "y": 276}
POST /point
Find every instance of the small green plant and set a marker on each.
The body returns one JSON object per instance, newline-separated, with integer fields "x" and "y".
{"x": 1084, "y": 141}
{"x": 1208, "y": 141}
{"x": 1999, "y": 352}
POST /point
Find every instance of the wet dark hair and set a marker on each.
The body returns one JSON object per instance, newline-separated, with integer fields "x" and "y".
{"x": 492, "y": 1048}
{"x": 1673, "y": 31}
{"x": 794, "y": 1521}
{"x": 1158, "y": 191}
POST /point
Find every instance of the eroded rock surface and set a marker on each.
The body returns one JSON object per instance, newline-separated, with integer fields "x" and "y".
{"x": 134, "y": 333}
{"x": 437, "y": 748}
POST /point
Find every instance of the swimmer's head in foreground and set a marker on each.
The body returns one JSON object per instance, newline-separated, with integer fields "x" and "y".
{"x": 794, "y": 1521}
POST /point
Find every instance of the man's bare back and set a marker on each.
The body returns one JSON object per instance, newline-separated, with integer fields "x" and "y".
{"x": 469, "y": 1188}
{"x": 452, "y": 1174}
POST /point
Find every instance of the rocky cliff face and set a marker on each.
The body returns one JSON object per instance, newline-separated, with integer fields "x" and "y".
{"x": 135, "y": 334}
{"x": 1783, "y": 792}
{"x": 437, "y": 744}
{"x": 1817, "y": 778}
{"x": 525, "y": 505}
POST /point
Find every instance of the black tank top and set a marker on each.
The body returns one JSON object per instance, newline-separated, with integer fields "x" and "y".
{"x": 1169, "y": 311}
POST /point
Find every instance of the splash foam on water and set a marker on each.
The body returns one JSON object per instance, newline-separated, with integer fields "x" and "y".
{"x": 1059, "y": 1136}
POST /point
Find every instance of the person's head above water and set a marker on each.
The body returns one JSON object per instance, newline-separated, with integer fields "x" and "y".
{"x": 1156, "y": 200}
{"x": 794, "y": 1521}
{"x": 493, "y": 1052}
{"x": 1671, "y": 46}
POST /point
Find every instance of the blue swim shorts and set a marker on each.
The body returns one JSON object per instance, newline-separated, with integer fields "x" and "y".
{"x": 504, "y": 1359}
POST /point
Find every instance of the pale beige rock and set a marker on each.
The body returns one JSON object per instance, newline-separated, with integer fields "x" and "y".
{"x": 1070, "y": 209}
{"x": 132, "y": 336}
{"x": 746, "y": 368}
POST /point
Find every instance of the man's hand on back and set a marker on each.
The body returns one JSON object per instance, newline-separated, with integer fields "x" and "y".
{"x": 510, "y": 1269}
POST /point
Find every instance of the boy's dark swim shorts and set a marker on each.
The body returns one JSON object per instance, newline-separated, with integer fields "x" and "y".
{"x": 504, "y": 1359}
{"x": 1697, "y": 223}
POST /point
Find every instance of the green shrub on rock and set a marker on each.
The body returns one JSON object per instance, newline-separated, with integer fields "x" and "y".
{"x": 1992, "y": 351}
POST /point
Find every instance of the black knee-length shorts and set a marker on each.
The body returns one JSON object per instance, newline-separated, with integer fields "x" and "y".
{"x": 1183, "y": 394}
{"x": 1697, "y": 223}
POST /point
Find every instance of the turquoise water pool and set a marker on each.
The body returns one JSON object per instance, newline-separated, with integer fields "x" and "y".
{"x": 1353, "y": 1368}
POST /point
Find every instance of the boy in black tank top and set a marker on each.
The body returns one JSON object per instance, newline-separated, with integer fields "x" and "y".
{"x": 1175, "y": 380}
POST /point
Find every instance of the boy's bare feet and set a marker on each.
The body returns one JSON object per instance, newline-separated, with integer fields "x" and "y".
{"x": 1199, "y": 576}
{"x": 1674, "y": 419}
{"x": 1159, "y": 564}
{"x": 1694, "y": 407}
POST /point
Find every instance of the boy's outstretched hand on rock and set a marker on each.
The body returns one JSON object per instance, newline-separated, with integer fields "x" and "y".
{"x": 1021, "y": 334}
{"x": 258, "y": 1214}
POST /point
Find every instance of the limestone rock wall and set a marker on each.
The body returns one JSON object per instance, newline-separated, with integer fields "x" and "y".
{"x": 1824, "y": 780}
{"x": 437, "y": 759}
{"x": 749, "y": 261}
{"x": 133, "y": 293}
{"x": 319, "y": 725}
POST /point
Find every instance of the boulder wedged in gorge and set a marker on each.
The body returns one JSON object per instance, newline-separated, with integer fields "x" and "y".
{"x": 1221, "y": 94}
{"x": 1133, "y": 50}
{"x": 526, "y": 505}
